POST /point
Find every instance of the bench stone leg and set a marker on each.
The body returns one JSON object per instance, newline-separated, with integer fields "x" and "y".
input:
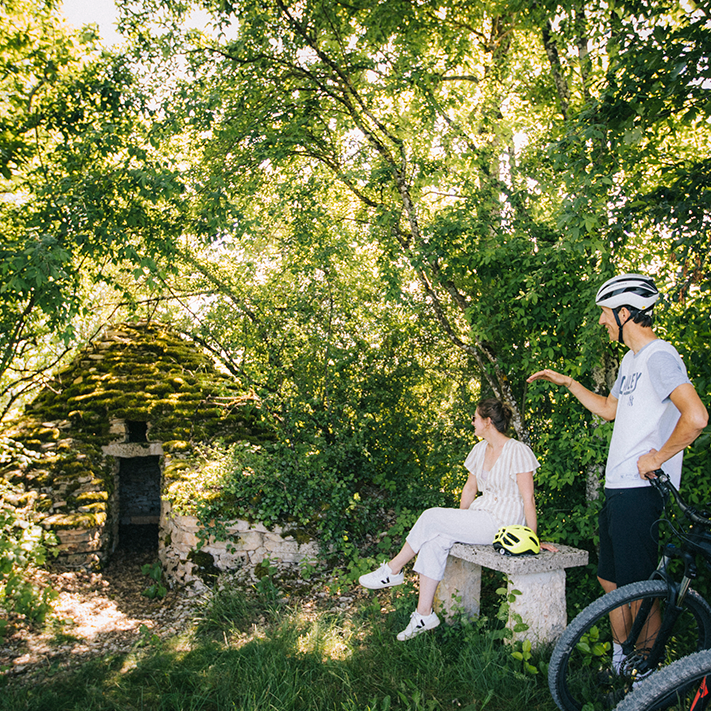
{"x": 460, "y": 589}
{"x": 541, "y": 605}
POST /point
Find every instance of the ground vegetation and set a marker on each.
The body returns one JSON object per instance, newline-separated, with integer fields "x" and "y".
{"x": 276, "y": 642}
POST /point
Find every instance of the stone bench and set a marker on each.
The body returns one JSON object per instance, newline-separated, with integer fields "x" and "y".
{"x": 540, "y": 579}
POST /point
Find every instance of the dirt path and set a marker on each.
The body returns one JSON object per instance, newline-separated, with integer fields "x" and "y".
{"x": 96, "y": 613}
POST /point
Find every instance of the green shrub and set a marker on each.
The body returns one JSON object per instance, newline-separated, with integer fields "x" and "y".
{"x": 23, "y": 546}
{"x": 321, "y": 494}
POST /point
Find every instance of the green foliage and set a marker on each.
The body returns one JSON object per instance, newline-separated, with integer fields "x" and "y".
{"x": 592, "y": 649}
{"x": 23, "y": 547}
{"x": 155, "y": 572}
{"x": 147, "y": 638}
{"x": 511, "y": 625}
{"x": 90, "y": 202}
{"x": 523, "y": 654}
{"x": 365, "y": 190}
{"x": 308, "y": 493}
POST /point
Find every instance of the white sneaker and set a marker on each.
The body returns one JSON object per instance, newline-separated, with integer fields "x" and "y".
{"x": 418, "y": 623}
{"x": 383, "y": 577}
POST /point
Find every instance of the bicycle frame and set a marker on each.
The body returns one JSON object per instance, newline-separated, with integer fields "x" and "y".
{"x": 675, "y": 598}
{"x": 701, "y": 700}
{"x": 695, "y": 542}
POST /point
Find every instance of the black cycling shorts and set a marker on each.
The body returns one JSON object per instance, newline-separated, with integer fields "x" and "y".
{"x": 629, "y": 534}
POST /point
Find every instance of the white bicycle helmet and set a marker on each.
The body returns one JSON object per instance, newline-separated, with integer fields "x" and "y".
{"x": 635, "y": 290}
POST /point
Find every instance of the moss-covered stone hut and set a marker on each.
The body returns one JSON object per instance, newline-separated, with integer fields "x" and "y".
{"x": 101, "y": 442}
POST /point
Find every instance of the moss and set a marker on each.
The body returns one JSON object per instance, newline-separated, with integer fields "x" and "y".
{"x": 71, "y": 468}
{"x": 178, "y": 445}
{"x": 261, "y": 570}
{"x": 47, "y": 434}
{"x": 159, "y": 388}
{"x": 300, "y": 535}
{"x": 75, "y": 520}
{"x": 98, "y": 507}
{"x": 43, "y": 503}
{"x": 90, "y": 496}
{"x": 205, "y": 566}
{"x": 175, "y": 470}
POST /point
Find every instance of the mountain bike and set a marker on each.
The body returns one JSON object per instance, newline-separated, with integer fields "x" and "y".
{"x": 664, "y": 620}
{"x": 684, "y": 685}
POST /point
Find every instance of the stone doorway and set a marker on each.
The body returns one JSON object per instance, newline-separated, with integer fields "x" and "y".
{"x": 139, "y": 480}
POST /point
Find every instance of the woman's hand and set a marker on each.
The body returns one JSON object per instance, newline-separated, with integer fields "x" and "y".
{"x": 549, "y": 547}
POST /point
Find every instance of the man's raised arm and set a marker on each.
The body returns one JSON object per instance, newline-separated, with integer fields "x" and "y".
{"x": 605, "y": 407}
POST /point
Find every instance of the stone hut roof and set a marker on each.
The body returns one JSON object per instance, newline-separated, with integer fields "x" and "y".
{"x": 147, "y": 373}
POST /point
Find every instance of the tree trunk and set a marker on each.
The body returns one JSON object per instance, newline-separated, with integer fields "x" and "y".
{"x": 554, "y": 60}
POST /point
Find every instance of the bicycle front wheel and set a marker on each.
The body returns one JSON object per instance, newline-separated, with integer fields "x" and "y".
{"x": 681, "y": 686}
{"x": 581, "y": 672}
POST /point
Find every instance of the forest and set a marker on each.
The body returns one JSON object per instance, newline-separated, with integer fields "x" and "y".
{"x": 371, "y": 214}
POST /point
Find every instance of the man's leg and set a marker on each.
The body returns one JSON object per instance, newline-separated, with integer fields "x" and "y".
{"x": 620, "y": 618}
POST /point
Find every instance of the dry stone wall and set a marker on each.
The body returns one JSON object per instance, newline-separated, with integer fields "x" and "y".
{"x": 185, "y": 561}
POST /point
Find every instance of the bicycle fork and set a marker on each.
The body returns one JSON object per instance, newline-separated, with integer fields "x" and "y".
{"x": 701, "y": 699}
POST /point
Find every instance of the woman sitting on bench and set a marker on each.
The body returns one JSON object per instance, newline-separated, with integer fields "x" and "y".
{"x": 501, "y": 469}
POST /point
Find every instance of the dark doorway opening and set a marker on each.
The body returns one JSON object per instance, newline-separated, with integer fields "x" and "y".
{"x": 139, "y": 503}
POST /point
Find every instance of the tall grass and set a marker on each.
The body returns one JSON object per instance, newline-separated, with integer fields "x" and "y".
{"x": 253, "y": 652}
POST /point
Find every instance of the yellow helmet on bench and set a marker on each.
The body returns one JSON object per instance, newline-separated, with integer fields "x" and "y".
{"x": 516, "y": 540}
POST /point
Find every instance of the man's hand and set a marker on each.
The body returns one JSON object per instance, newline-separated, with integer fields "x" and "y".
{"x": 552, "y": 377}
{"x": 605, "y": 407}
{"x": 647, "y": 464}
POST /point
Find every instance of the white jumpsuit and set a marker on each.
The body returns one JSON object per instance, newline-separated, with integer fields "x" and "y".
{"x": 500, "y": 504}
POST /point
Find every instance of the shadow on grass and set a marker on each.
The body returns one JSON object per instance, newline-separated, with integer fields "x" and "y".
{"x": 255, "y": 657}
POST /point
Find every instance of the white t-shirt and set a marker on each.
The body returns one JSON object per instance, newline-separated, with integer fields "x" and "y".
{"x": 645, "y": 415}
{"x": 500, "y": 495}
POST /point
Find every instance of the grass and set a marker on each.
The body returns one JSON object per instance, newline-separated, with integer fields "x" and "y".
{"x": 254, "y": 652}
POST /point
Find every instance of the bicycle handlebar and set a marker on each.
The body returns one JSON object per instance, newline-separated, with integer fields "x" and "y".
{"x": 663, "y": 484}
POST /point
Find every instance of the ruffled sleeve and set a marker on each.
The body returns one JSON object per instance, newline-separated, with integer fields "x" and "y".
{"x": 475, "y": 459}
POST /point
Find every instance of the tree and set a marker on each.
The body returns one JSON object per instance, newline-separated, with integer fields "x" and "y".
{"x": 406, "y": 111}
{"x": 477, "y": 150}
{"x": 85, "y": 195}
{"x": 359, "y": 179}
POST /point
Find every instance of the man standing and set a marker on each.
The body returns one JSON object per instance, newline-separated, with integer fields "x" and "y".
{"x": 657, "y": 414}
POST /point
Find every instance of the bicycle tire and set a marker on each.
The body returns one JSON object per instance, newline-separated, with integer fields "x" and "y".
{"x": 681, "y": 686}
{"x": 580, "y": 671}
